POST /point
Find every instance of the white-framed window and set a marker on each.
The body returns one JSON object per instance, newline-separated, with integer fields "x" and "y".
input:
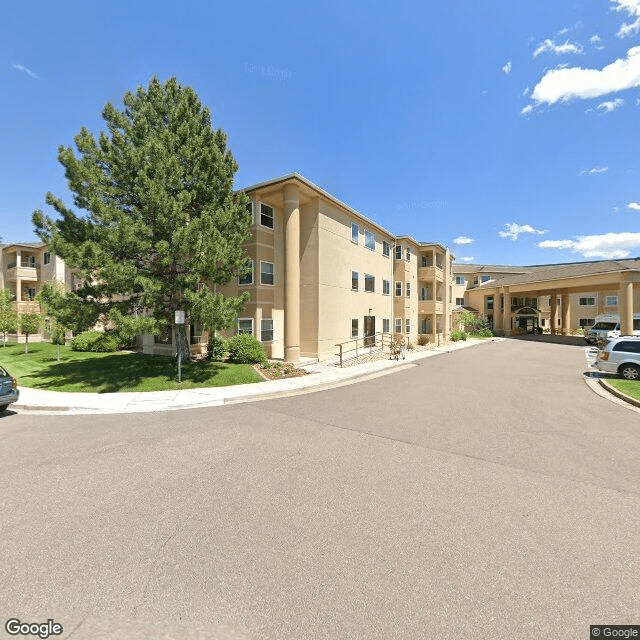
{"x": 47, "y": 257}
{"x": 266, "y": 215}
{"x": 245, "y": 325}
{"x": 587, "y": 302}
{"x": 355, "y": 233}
{"x": 250, "y": 211}
{"x": 386, "y": 325}
{"x": 475, "y": 279}
{"x": 386, "y": 248}
{"x": 354, "y": 281}
{"x": 369, "y": 283}
{"x": 266, "y": 272}
{"x": 612, "y": 301}
{"x": 398, "y": 325}
{"x": 369, "y": 240}
{"x": 248, "y": 278}
{"x": 398, "y": 289}
{"x": 407, "y": 325}
{"x": 460, "y": 302}
{"x": 386, "y": 287}
{"x": 266, "y": 330}
{"x": 485, "y": 278}
{"x": 354, "y": 327}
{"x": 587, "y": 322}
{"x": 408, "y": 289}
{"x": 398, "y": 252}
{"x": 461, "y": 280}
{"x": 407, "y": 254}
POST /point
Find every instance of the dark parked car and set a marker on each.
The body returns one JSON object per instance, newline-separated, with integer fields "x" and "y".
{"x": 8, "y": 389}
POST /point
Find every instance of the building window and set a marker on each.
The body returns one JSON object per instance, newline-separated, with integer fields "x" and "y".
{"x": 489, "y": 303}
{"x": 266, "y": 272}
{"x": 398, "y": 289}
{"x": 587, "y": 302}
{"x": 164, "y": 337}
{"x": 369, "y": 240}
{"x": 386, "y": 248}
{"x": 460, "y": 280}
{"x": 484, "y": 279}
{"x": 408, "y": 289}
{"x": 31, "y": 293}
{"x": 612, "y": 301}
{"x": 425, "y": 293}
{"x": 266, "y": 215}
{"x": 407, "y": 325}
{"x": 248, "y": 278}
{"x": 542, "y": 322}
{"x": 47, "y": 257}
{"x": 385, "y": 325}
{"x": 425, "y": 327}
{"x": 398, "y": 252}
{"x": 354, "y": 232}
{"x": 245, "y": 325}
{"x": 424, "y": 261}
{"x": 398, "y": 325}
{"x": 475, "y": 279}
{"x": 460, "y": 302}
{"x": 266, "y": 330}
{"x": 354, "y": 328}
{"x": 369, "y": 283}
{"x": 587, "y": 322}
{"x": 354, "y": 281}
{"x": 386, "y": 287}
{"x": 407, "y": 254}
{"x": 250, "y": 211}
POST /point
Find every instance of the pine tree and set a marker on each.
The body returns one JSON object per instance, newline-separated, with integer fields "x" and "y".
{"x": 161, "y": 214}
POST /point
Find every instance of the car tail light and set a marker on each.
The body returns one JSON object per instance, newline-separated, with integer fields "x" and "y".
{"x": 14, "y": 382}
{"x": 604, "y": 355}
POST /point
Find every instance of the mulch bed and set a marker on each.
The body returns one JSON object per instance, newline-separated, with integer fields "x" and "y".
{"x": 278, "y": 370}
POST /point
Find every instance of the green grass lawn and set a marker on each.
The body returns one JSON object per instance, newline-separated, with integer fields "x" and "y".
{"x": 109, "y": 372}
{"x": 630, "y": 387}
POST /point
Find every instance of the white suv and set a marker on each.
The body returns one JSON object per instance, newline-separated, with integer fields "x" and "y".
{"x": 621, "y": 356}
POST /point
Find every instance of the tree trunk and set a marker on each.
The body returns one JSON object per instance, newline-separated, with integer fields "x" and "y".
{"x": 58, "y": 352}
{"x": 26, "y": 343}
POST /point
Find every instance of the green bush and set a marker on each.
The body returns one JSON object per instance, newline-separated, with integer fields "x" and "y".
{"x": 458, "y": 335}
{"x": 217, "y": 349}
{"x": 580, "y": 331}
{"x": 95, "y": 341}
{"x": 245, "y": 349}
{"x": 486, "y": 333}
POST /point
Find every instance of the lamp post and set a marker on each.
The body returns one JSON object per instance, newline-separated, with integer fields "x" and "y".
{"x": 179, "y": 320}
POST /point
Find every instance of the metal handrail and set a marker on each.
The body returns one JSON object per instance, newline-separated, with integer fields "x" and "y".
{"x": 361, "y": 345}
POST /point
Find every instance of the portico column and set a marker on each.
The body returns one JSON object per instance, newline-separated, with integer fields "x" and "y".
{"x": 626, "y": 308}
{"x": 434, "y": 327}
{"x": 497, "y": 310}
{"x": 506, "y": 312}
{"x": 566, "y": 315}
{"x": 291, "y": 273}
{"x": 554, "y": 313}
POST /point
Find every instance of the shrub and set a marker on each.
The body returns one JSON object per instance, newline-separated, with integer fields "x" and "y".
{"x": 423, "y": 339}
{"x": 486, "y": 333}
{"x": 458, "y": 335}
{"x": 580, "y": 331}
{"x": 245, "y": 349}
{"x": 217, "y": 348}
{"x": 95, "y": 341}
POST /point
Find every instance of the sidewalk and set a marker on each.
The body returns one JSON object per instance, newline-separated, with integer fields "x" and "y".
{"x": 322, "y": 375}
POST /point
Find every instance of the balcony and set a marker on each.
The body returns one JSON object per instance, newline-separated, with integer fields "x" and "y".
{"x": 430, "y": 273}
{"x": 26, "y": 307}
{"x": 26, "y": 270}
{"x": 429, "y": 307}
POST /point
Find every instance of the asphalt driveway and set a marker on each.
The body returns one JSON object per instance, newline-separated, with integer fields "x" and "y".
{"x": 483, "y": 493}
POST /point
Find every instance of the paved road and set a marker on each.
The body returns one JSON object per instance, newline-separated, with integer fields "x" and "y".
{"x": 487, "y": 493}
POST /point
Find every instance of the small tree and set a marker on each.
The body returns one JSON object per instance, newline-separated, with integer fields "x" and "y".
{"x": 58, "y": 335}
{"x": 466, "y": 318}
{"x": 8, "y": 315}
{"x": 29, "y": 323}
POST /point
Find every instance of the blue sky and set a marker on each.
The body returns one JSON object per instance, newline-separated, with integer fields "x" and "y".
{"x": 514, "y": 125}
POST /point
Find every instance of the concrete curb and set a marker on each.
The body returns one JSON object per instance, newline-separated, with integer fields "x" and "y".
{"x": 619, "y": 394}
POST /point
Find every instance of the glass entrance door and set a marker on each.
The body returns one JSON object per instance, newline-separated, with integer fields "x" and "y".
{"x": 369, "y": 331}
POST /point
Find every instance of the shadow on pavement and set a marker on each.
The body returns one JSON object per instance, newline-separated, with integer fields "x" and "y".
{"x": 574, "y": 341}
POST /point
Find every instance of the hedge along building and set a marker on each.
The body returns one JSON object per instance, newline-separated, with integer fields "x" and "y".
{"x": 565, "y": 296}
{"x": 322, "y": 274}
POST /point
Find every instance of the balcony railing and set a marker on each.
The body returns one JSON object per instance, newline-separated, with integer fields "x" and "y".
{"x": 29, "y": 264}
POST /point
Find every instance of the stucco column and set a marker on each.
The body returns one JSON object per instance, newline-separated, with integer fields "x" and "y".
{"x": 566, "y": 315}
{"x": 626, "y": 308}
{"x": 497, "y": 310}
{"x": 434, "y": 327}
{"x": 506, "y": 312}
{"x": 554, "y": 312}
{"x": 257, "y": 320}
{"x": 18, "y": 290}
{"x": 291, "y": 273}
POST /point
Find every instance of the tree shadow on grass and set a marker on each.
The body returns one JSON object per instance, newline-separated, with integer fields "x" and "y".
{"x": 116, "y": 372}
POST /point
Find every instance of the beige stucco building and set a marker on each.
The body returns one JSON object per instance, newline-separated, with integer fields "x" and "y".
{"x": 323, "y": 274}
{"x": 559, "y": 298}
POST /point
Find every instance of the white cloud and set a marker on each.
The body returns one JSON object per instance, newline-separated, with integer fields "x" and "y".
{"x": 575, "y": 82}
{"x": 558, "y": 49}
{"x": 463, "y": 240}
{"x": 611, "y": 105}
{"x": 563, "y": 32}
{"x": 525, "y": 93}
{"x": 632, "y": 9}
{"x": 513, "y": 230}
{"x": 595, "y": 39}
{"x": 608, "y": 245}
{"x": 594, "y": 171}
{"x": 634, "y": 205}
{"x": 526, "y": 110}
{"x": 21, "y": 67}
{"x": 467, "y": 259}
{"x": 507, "y": 68}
